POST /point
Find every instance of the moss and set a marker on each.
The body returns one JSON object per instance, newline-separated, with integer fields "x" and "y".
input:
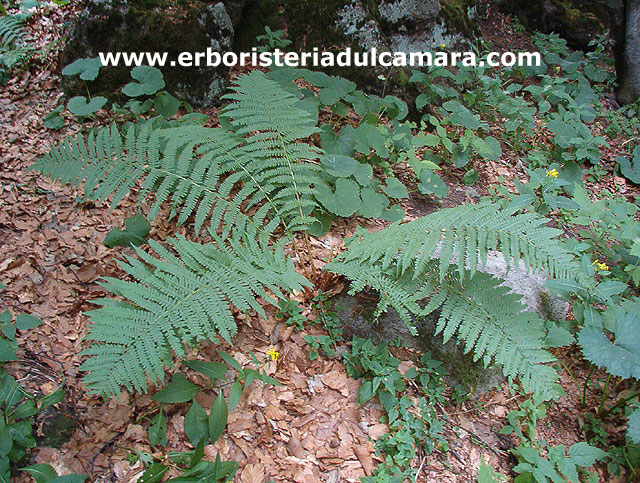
{"x": 455, "y": 13}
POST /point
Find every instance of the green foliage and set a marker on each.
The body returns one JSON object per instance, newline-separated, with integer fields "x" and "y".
{"x": 13, "y": 47}
{"x": 400, "y": 262}
{"x": 44, "y": 473}
{"x": 81, "y": 107}
{"x": 149, "y": 81}
{"x": 182, "y": 297}
{"x": 135, "y": 233}
{"x": 87, "y": 68}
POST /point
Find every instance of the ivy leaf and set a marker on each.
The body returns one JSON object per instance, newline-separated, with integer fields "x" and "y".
{"x": 344, "y": 201}
{"x": 78, "y": 106}
{"x": 585, "y": 455}
{"x": 218, "y": 418}
{"x": 179, "y": 390}
{"x": 87, "y": 68}
{"x": 136, "y": 230}
{"x": 196, "y": 425}
{"x": 620, "y": 357}
{"x": 150, "y": 81}
{"x": 431, "y": 183}
{"x": 634, "y": 426}
{"x": 27, "y": 322}
{"x": 158, "y": 430}
{"x": 395, "y": 189}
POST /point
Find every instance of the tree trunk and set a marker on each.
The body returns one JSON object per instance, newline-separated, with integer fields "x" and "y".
{"x": 628, "y": 66}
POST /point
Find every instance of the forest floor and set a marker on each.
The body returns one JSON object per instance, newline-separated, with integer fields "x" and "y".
{"x": 310, "y": 428}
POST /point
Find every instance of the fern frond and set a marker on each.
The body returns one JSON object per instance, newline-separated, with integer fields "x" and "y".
{"x": 179, "y": 297}
{"x": 11, "y": 31}
{"x": 435, "y": 258}
{"x": 464, "y": 235}
{"x": 209, "y": 173}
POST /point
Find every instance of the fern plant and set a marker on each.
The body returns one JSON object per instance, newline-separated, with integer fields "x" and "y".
{"x": 181, "y": 296}
{"x": 12, "y": 46}
{"x": 436, "y": 258}
{"x": 213, "y": 174}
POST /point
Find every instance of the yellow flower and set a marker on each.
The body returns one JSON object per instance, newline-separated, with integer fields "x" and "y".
{"x": 600, "y": 266}
{"x": 273, "y": 354}
{"x": 552, "y": 173}
{"x": 442, "y": 46}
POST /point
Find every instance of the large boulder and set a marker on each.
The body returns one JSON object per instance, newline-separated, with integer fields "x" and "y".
{"x": 356, "y": 313}
{"x": 577, "y": 21}
{"x": 153, "y": 26}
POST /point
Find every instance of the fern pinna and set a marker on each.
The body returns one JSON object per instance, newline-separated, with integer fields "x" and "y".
{"x": 210, "y": 173}
{"x": 436, "y": 258}
{"x": 183, "y": 296}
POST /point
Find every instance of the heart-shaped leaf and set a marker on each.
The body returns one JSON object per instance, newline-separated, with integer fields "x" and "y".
{"x": 135, "y": 233}
{"x": 431, "y": 183}
{"x": 79, "y": 106}
{"x": 87, "y": 68}
{"x": 150, "y": 81}
{"x": 344, "y": 201}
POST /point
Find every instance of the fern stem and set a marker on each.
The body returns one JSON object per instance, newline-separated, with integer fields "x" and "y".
{"x": 584, "y": 389}
{"x": 622, "y": 401}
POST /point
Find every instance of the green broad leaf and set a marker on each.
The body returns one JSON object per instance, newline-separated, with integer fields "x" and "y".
{"x": 558, "y": 337}
{"x": 41, "y": 472}
{"x": 5, "y": 317}
{"x": 373, "y": 203}
{"x": 470, "y": 177}
{"x": 8, "y": 349}
{"x": 7, "y": 328}
{"x": 179, "y": 390}
{"x": 87, "y": 68}
{"x": 158, "y": 430}
{"x": 321, "y": 225}
{"x": 154, "y": 473}
{"x": 486, "y": 474}
{"x": 54, "y": 120}
{"x": 166, "y": 105}
{"x": 213, "y": 370}
{"x": 339, "y": 166}
{"x": 489, "y": 148}
{"x": 3, "y": 286}
{"x": 568, "y": 469}
{"x": 609, "y": 288}
{"x": 393, "y": 213}
{"x": 76, "y": 478}
{"x": 366, "y": 392}
{"x": 218, "y": 418}
{"x": 432, "y": 184}
{"x": 24, "y": 410}
{"x": 367, "y": 137}
{"x": 585, "y": 455}
{"x": 633, "y": 432}
{"x": 135, "y": 233}
{"x": 395, "y": 189}
{"x": 235, "y": 393}
{"x": 27, "y": 322}
{"x": 196, "y": 424}
{"x": 150, "y": 81}
{"x": 21, "y": 433}
{"x": 460, "y": 156}
{"x": 631, "y": 169}
{"x": 50, "y": 399}
{"x": 620, "y": 357}
{"x": 426, "y": 139}
{"x": 344, "y": 201}
{"x": 78, "y": 106}
{"x": 230, "y": 360}
{"x": 343, "y": 143}
{"x": 10, "y": 391}
{"x": 461, "y": 116}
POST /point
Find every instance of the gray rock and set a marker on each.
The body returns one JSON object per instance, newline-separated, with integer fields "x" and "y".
{"x": 356, "y": 313}
{"x": 152, "y": 26}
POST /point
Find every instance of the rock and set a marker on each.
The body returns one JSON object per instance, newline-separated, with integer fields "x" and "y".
{"x": 153, "y": 26}
{"x": 628, "y": 65}
{"x": 56, "y": 426}
{"x": 356, "y": 313}
{"x": 577, "y": 21}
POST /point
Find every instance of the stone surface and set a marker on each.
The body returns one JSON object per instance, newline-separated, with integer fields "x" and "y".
{"x": 169, "y": 26}
{"x": 356, "y": 313}
{"x": 577, "y": 21}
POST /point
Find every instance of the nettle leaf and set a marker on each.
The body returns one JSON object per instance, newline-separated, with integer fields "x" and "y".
{"x": 344, "y": 201}
{"x": 150, "y": 81}
{"x": 395, "y": 189}
{"x": 585, "y": 455}
{"x": 634, "y": 426}
{"x": 620, "y": 357}
{"x": 431, "y": 183}
{"x": 87, "y": 68}
{"x": 135, "y": 233}
{"x": 79, "y": 106}
{"x": 179, "y": 390}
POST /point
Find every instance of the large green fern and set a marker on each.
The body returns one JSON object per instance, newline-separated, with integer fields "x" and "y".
{"x": 211, "y": 173}
{"x": 436, "y": 258}
{"x": 183, "y": 296}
